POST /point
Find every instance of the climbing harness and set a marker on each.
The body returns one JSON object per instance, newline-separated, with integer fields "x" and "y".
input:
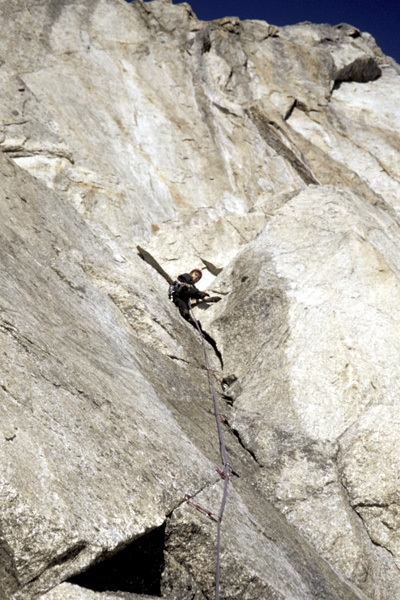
{"x": 225, "y": 471}
{"x": 175, "y": 289}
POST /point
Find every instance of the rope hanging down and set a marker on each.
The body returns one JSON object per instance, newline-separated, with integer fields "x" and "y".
{"x": 224, "y": 455}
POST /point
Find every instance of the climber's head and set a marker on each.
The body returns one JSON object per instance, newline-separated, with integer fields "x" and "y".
{"x": 196, "y": 275}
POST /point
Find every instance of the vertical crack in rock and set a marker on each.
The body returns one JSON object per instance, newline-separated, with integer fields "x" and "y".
{"x": 206, "y": 45}
{"x": 236, "y": 433}
{"x": 273, "y": 139}
{"x": 150, "y": 260}
{"x": 137, "y": 568}
{"x": 207, "y": 337}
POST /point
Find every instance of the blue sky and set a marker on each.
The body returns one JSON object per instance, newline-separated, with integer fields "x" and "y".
{"x": 381, "y": 18}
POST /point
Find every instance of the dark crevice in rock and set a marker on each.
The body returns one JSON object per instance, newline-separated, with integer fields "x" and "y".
{"x": 269, "y": 132}
{"x": 372, "y": 539}
{"x": 173, "y": 357}
{"x": 348, "y": 30}
{"x": 67, "y": 556}
{"x": 371, "y": 505}
{"x": 137, "y": 568}
{"x": 243, "y": 445}
{"x": 213, "y": 269}
{"x": 13, "y": 332}
{"x": 358, "y": 511}
{"x": 214, "y": 346}
{"x": 378, "y": 545}
{"x": 290, "y": 110}
{"x": 361, "y": 70}
{"x": 206, "y": 43}
{"x": 337, "y": 86}
{"x": 231, "y": 389}
{"x": 19, "y": 151}
{"x": 150, "y": 260}
{"x": 225, "y": 110}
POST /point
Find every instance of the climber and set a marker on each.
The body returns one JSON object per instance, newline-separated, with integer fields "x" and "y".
{"x": 181, "y": 292}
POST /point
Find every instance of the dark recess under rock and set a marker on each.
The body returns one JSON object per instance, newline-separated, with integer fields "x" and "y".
{"x": 137, "y": 568}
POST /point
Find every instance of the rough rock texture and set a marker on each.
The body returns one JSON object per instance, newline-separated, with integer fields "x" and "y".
{"x": 271, "y": 157}
{"x": 68, "y": 591}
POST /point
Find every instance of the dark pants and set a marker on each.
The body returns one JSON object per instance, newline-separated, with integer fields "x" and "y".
{"x": 185, "y": 312}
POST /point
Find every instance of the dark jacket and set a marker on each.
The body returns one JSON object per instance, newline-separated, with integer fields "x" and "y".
{"x": 186, "y": 290}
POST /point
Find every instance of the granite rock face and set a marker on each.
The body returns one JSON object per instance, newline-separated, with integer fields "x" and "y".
{"x": 270, "y": 157}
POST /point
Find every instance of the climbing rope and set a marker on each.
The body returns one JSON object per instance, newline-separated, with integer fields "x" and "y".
{"x": 224, "y": 473}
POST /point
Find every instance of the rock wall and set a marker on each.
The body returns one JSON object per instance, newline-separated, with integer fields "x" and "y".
{"x": 271, "y": 158}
